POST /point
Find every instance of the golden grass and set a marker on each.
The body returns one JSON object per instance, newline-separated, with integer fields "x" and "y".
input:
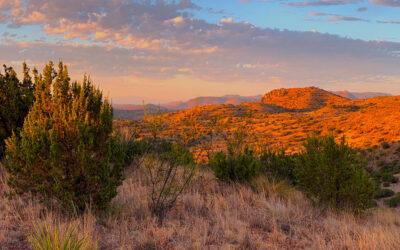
{"x": 210, "y": 215}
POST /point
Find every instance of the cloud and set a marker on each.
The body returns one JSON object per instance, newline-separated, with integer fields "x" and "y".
{"x": 390, "y": 21}
{"x": 320, "y": 3}
{"x": 392, "y": 3}
{"x": 126, "y": 23}
{"x": 334, "y": 17}
{"x": 152, "y": 41}
{"x": 345, "y": 18}
{"x": 227, "y": 20}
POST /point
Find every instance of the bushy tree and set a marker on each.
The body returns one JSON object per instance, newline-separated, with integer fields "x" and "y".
{"x": 66, "y": 151}
{"x": 16, "y": 98}
{"x": 278, "y": 164}
{"x": 333, "y": 174}
{"x": 236, "y": 166}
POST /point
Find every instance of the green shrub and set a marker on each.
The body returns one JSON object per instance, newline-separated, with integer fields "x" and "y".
{"x": 278, "y": 164}
{"x": 235, "y": 166}
{"x": 165, "y": 150}
{"x": 393, "y": 202}
{"x": 16, "y": 98}
{"x": 383, "y": 193}
{"x": 331, "y": 173}
{"x": 173, "y": 153}
{"x": 66, "y": 152}
{"x": 385, "y": 145}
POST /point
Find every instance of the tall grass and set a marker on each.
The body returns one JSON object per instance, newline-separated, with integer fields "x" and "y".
{"x": 214, "y": 215}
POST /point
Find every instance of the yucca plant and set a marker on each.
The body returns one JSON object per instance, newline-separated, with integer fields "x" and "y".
{"x": 45, "y": 238}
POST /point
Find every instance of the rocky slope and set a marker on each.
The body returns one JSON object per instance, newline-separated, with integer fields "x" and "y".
{"x": 302, "y": 99}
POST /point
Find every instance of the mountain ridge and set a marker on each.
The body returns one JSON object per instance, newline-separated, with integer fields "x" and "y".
{"x": 134, "y": 111}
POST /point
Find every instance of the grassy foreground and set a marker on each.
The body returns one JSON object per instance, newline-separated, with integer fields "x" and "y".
{"x": 210, "y": 215}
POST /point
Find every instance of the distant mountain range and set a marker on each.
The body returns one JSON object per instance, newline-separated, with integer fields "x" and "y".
{"x": 134, "y": 112}
{"x": 359, "y": 95}
{"x": 210, "y": 100}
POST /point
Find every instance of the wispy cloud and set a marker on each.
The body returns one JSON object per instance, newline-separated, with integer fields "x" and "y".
{"x": 320, "y": 3}
{"x": 334, "y": 17}
{"x": 390, "y": 21}
{"x": 392, "y": 3}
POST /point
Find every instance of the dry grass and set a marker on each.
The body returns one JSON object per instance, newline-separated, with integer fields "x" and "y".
{"x": 210, "y": 215}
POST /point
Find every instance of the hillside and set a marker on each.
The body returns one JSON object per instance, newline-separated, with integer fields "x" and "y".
{"x": 135, "y": 112}
{"x": 284, "y": 118}
{"x": 321, "y": 97}
{"x": 301, "y": 99}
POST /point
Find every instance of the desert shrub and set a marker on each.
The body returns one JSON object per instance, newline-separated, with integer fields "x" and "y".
{"x": 45, "y": 238}
{"x": 66, "y": 152}
{"x": 168, "y": 180}
{"x": 385, "y": 145}
{"x": 385, "y": 176}
{"x": 380, "y": 163}
{"x": 16, "y": 98}
{"x": 165, "y": 150}
{"x": 154, "y": 121}
{"x": 383, "y": 193}
{"x": 236, "y": 166}
{"x": 393, "y": 202}
{"x": 173, "y": 153}
{"x": 277, "y": 164}
{"x": 331, "y": 173}
{"x": 135, "y": 150}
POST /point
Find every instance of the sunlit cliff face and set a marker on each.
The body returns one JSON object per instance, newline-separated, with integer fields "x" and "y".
{"x": 171, "y": 50}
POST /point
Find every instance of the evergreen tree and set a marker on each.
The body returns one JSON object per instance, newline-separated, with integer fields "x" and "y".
{"x": 333, "y": 174}
{"x": 16, "y": 98}
{"x": 66, "y": 151}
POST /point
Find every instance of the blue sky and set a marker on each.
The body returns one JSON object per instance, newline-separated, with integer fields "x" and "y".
{"x": 275, "y": 14}
{"x": 163, "y": 50}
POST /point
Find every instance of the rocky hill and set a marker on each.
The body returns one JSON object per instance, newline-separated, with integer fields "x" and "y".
{"x": 302, "y": 99}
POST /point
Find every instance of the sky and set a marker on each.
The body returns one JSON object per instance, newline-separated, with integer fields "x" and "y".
{"x": 166, "y": 50}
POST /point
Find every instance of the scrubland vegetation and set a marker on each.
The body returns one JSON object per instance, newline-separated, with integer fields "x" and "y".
{"x": 70, "y": 180}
